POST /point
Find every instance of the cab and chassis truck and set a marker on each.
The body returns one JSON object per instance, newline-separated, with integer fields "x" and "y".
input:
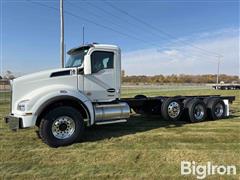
{"x": 87, "y": 92}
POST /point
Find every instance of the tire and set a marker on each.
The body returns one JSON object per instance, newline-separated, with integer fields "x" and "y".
{"x": 216, "y": 108}
{"x": 186, "y": 101}
{"x": 197, "y": 111}
{"x": 38, "y": 134}
{"x": 185, "y": 110}
{"x": 172, "y": 109}
{"x": 61, "y": 126}
{"x": 207, "y": 99}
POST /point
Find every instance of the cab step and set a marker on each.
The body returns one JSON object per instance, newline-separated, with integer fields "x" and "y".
{"x": 110, "y": 121}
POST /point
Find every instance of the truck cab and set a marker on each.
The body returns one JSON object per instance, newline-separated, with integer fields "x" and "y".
{"x": 90, "y": 85}
{"x": 99, "y": 71}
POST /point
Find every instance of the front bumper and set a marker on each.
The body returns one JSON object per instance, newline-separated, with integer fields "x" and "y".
{"x": 13, "y": 122}
{"x": 16, "y": 121}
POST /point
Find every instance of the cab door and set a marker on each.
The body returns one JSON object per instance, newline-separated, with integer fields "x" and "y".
{"x": 100, "y": 85}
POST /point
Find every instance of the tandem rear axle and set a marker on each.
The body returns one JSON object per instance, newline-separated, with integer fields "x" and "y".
{"x": 192, "y": 108}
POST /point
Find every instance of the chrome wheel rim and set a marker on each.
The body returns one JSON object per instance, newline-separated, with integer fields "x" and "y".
{"x": 199, "y": 112}
{"x": 63, "y": 127}
{"x": 219, "y": 110}
{"x": 173, "y": 109}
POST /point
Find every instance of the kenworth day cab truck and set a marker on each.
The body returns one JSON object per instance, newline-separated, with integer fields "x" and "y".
{"x": 61, "y": 102}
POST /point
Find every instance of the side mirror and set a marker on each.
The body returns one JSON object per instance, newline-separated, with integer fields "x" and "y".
{"x": 81, "y": 69}
{"x": 87, "y": 65}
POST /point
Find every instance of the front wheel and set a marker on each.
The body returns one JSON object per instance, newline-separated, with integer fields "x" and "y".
{"x": 61, "y": 126}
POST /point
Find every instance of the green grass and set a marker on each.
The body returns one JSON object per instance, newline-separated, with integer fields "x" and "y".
{"x": 142, "y": 148}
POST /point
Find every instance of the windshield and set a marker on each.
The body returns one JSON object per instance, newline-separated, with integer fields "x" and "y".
{"x": 76, "y": 58}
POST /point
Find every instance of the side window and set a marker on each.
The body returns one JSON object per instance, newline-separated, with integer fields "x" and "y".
{"x": 101, "y": 60}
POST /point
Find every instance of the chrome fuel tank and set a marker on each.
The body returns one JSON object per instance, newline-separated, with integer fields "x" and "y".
{"x": 111, "y": 111}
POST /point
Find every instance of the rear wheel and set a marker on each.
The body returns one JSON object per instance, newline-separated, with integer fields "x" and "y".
{"x": 171, "y": 109}
{"x": 61, "y": 126}
{"x": 216, "y": 108}
{"x": 196, "y": 110}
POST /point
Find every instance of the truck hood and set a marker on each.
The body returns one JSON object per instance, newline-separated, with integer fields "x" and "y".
{"x": 24, "y": 85}
{"x": 37, "y": 76}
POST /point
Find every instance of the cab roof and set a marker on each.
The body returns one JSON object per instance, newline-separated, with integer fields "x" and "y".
{"x": 102, "y": 46}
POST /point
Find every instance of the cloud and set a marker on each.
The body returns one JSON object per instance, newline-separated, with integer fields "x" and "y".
{"x": 188, "y": 58}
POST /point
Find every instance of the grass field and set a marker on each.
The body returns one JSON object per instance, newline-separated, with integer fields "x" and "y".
{"x": 142, "y": 148}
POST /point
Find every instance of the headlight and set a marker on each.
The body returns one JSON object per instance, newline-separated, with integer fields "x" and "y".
{"x": 22, "y": 106}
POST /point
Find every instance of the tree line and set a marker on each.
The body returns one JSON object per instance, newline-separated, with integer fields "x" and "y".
{"x": 181, "y": 78}
{"x": 160, "y": 79}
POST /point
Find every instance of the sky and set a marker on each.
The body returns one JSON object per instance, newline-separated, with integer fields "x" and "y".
{"x": 156, "y": 37}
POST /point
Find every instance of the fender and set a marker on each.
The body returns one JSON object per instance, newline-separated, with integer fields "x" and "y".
{"x": 85, "y": 105}
{"x": 40, "y": 98}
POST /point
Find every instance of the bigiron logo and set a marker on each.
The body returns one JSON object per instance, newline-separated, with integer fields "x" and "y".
{"x": 202, "y": 171}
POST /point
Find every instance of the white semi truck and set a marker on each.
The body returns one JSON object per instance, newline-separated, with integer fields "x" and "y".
{"x": 61, "y": 102}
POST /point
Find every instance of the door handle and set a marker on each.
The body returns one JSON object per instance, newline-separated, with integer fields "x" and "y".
{"x": 111, "y": 90}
